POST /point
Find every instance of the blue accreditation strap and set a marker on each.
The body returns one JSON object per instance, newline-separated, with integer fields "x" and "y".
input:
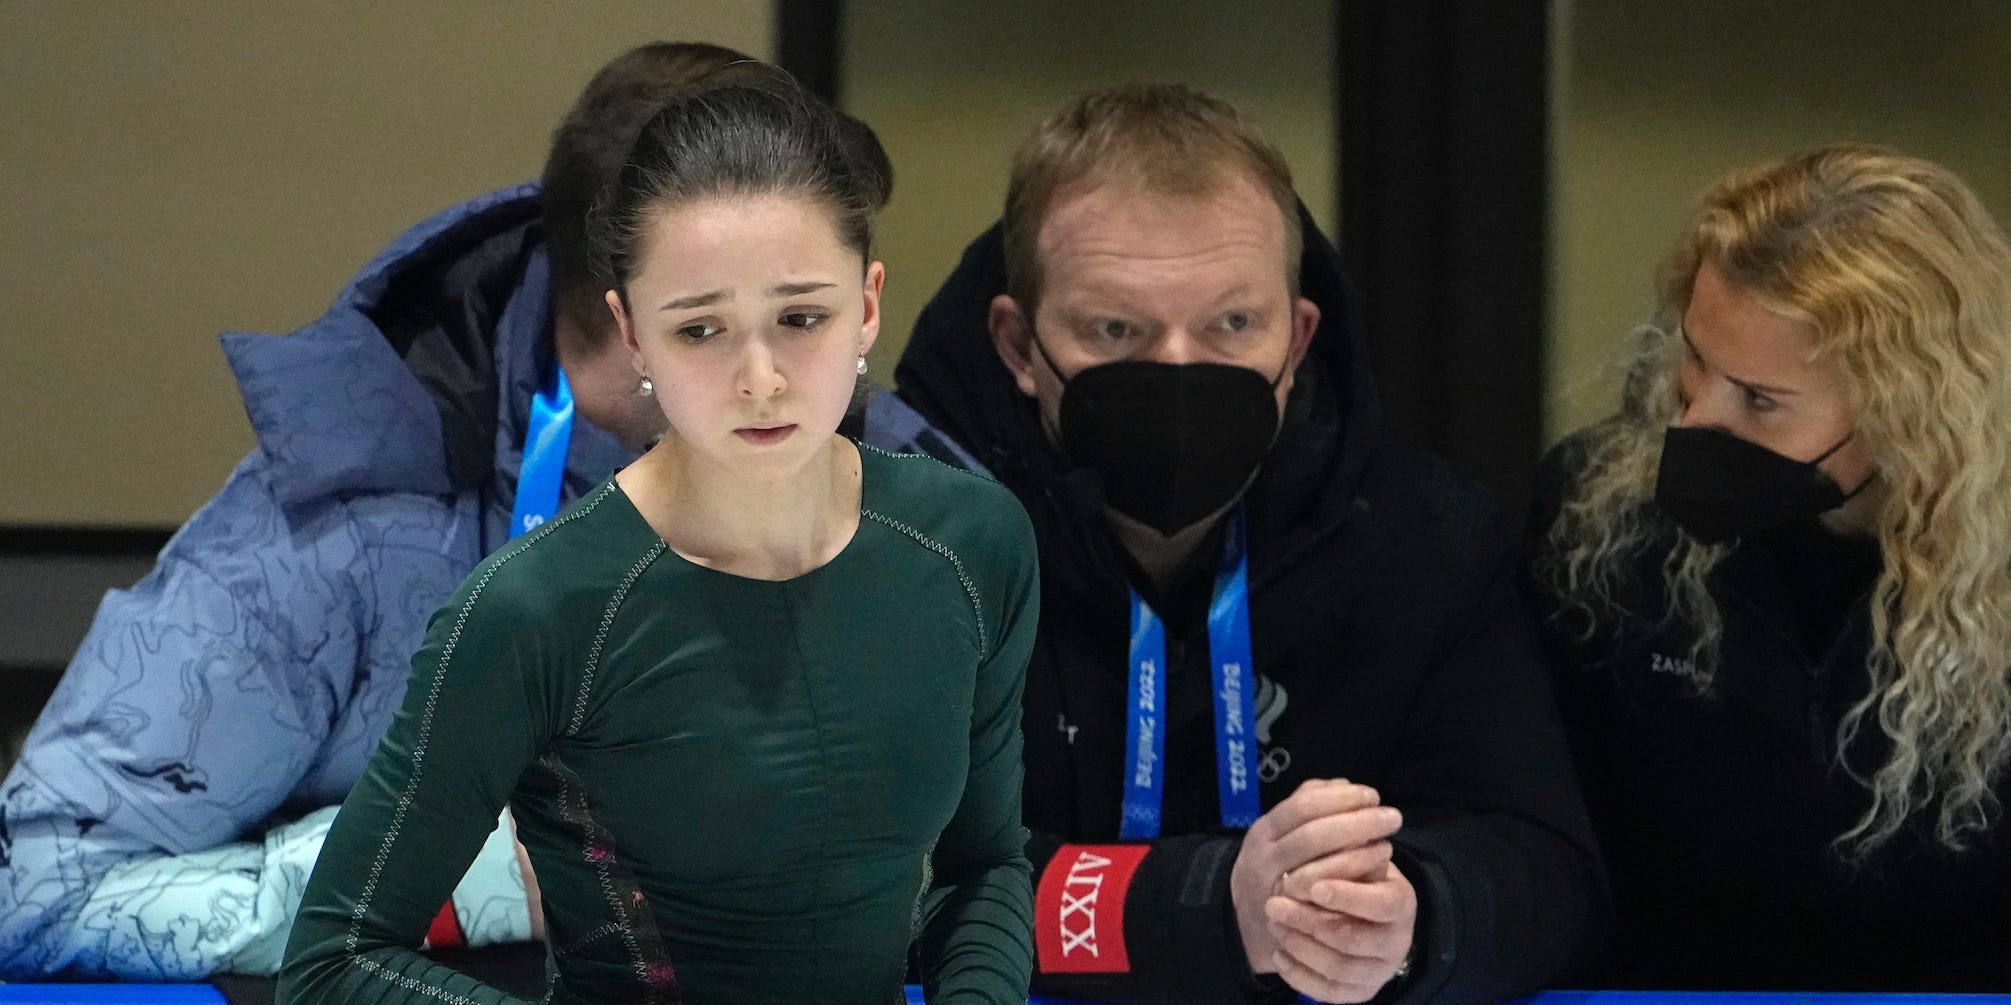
{"x": 545, "y": 443}
{"x": 1235, "y": 699}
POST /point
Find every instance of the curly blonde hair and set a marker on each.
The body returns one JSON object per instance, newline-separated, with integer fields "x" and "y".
{"x": 1907, "y": 282}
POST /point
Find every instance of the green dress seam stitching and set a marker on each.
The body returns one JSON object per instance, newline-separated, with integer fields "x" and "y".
{"x": 407, "y": 795}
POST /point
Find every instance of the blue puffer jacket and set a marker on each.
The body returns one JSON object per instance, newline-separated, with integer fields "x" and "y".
{"x": 168, "y": 806}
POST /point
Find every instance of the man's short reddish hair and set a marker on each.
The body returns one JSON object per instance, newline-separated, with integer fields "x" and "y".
{"x": 1162, "y": 139}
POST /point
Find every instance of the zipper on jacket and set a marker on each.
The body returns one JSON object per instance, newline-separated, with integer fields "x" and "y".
{"x": 1812, "y": 711}
{"x": 1285, "y": 560}
{"x": 1819, "y": 729}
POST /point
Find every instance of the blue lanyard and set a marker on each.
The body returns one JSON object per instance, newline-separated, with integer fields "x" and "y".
{"x": 545, "y": 443}
{"x": 1235, "y": 700}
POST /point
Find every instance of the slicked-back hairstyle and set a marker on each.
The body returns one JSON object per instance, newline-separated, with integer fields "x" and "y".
{"x": 1160, "y": 139}
{"x": 590, "y": 146}
{"x": 739, "y": 140}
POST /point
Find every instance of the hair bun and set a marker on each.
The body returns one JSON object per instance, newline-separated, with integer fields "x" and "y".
{"x": 873, "y": 172}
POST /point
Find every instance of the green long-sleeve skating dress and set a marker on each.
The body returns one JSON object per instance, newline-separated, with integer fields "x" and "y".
{"x": 732, "y": 790}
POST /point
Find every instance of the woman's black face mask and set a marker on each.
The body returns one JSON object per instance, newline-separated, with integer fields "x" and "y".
{"x": 1718, "y": 487}
{"x": 1170, "y": 443}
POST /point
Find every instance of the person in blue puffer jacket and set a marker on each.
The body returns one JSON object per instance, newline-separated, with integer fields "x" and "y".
{"x": 170, "y": 801}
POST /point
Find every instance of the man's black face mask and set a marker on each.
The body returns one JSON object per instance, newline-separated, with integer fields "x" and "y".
{"x": 1170, "y": 443}
{"x": 1718, "y": 487}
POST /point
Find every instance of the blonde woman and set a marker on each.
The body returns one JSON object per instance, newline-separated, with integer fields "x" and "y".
{"x": 1776, "y": 585}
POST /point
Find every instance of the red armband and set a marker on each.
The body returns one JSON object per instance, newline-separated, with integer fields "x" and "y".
{"x": 1079, "y": 909}
{"x": 446, "y": 929}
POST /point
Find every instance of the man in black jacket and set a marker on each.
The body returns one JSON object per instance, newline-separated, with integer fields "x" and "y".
{"x": 1286, "y": 731}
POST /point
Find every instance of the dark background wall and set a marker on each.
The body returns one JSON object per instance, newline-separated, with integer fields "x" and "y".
{"x": 1655, "y": 99}
{"x": 172, "y": 171}
{"x": 1503, "y": 178}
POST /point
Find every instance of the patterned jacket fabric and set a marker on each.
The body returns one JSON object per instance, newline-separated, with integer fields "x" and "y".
{"x": 171, "y": 799}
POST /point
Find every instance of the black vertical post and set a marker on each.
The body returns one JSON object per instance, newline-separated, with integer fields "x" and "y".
{"x": 1444, "y": 215}
{"x": 806, "y": 44}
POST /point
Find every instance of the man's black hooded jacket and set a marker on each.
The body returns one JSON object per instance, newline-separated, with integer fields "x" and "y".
{"x": 1391, "y": 651}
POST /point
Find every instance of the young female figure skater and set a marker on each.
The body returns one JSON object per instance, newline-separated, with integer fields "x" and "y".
{"x": 754, "y": 702}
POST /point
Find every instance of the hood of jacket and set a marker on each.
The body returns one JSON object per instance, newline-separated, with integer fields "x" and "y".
{"x": 1307, "y": 486}
{"x": 396, "y": 387}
